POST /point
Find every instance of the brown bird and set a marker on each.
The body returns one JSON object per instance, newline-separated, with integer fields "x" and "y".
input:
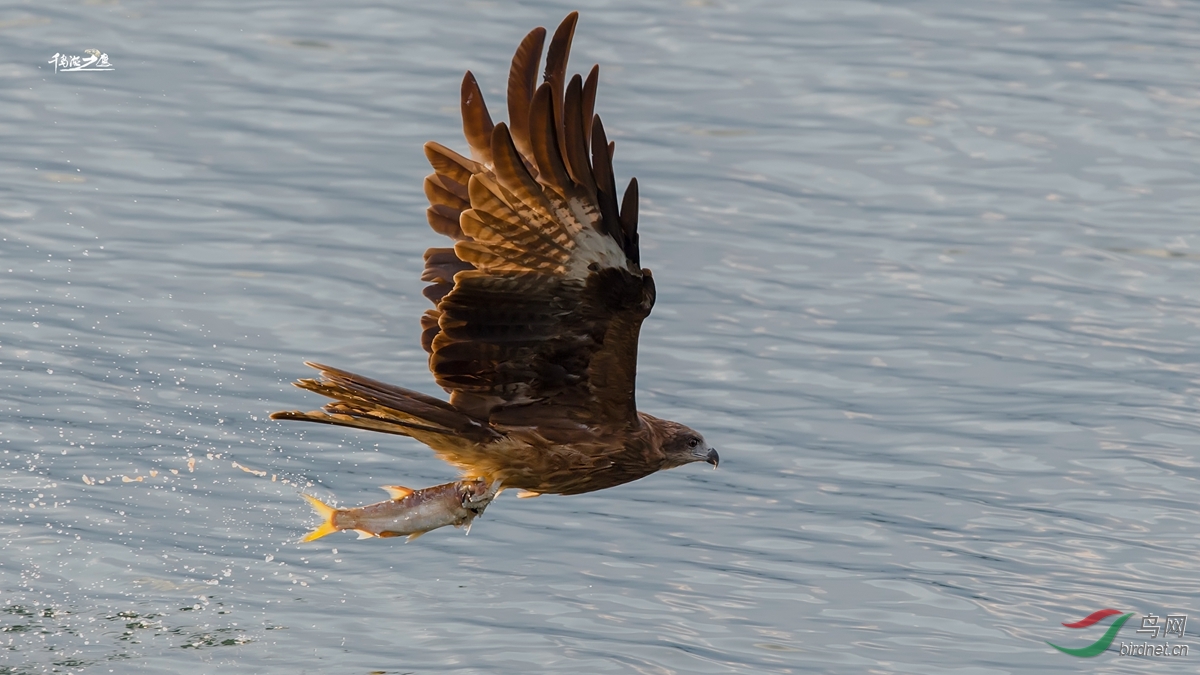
{"x": 538, "y": 303}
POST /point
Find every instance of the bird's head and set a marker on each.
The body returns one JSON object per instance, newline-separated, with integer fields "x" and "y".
{"x": 684, "y": 445}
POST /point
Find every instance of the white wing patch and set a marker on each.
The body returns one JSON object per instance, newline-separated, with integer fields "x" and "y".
{"x": 591, "y": 247}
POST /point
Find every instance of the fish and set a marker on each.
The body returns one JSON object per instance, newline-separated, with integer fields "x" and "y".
{"x": 408, "y": 512}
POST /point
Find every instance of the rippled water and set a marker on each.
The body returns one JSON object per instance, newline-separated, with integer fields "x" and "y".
{"x": 927, "y": 277}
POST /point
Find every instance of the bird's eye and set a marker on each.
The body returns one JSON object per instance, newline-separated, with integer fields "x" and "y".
{"x": 693, "y": 443}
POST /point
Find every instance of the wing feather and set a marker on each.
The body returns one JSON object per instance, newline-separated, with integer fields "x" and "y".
{"x": 544, "y": 133}
{"x": 589, "y": 100}
{"x": 522, "y": 79}
{"x": 629, "y": 219}
{"x": 575, "y": 145}
{"x": 556, "y": 63}
{"x": 443, "y": 191}
{"x": 606, "y": 184}
{"x": 450, "y": 164}
{"x": 444, "y": 220}
{"x": 530, "y": 202}
{"x": 540, "y": 301}
{"x": 477, "y": 122}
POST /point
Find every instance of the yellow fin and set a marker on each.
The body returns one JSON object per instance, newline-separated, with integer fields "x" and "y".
{"x": 325, "y": 511}
{"x": 528, "y": 494}
{"x": 363, "y": 534}
{"x": 397, "y": 492}
{"x": 413, "y": 536}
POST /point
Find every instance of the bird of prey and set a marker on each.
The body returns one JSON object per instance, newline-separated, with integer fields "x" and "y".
{"x": 537, "y": 303}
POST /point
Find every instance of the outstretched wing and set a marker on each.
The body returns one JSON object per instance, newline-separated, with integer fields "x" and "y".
{"x": 540, "y": 300}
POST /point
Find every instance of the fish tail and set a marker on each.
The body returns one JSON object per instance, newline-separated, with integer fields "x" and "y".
{"x": 325, "y": 511}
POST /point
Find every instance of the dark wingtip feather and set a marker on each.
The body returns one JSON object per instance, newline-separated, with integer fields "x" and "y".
{"x": 629, "y": 222}
{"x": 589, "y": 99}
{"x": 606, "y": 184}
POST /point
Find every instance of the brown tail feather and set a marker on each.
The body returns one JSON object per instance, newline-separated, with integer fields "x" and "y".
{"x": 364, "y": 403}
{"x": 359, "y": 421}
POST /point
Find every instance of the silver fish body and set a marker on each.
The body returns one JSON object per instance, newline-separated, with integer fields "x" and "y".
{"x": 408, "y": 512}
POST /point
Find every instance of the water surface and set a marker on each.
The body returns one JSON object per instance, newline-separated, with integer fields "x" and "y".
{"x": 927, "y": 278}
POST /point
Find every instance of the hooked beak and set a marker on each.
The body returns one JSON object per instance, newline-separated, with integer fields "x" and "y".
{"x": 713, "y": 458}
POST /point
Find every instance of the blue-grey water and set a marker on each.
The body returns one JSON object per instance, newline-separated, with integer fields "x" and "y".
{"x": 927, "y": 278}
